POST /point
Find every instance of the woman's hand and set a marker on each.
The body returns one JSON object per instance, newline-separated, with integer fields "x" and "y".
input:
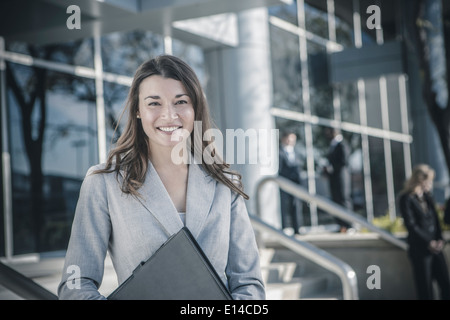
{"x": 436, "y": 246}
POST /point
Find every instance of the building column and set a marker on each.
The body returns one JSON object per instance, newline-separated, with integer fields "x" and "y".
{"x": 239, "y": 92}
{"x": 6, "y": 160}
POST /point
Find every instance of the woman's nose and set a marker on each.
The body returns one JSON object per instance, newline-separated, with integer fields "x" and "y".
{"x": 169, "y": 112}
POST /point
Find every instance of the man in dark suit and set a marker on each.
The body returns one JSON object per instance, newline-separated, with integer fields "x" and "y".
{"x": 289, "y": 167}
{"x": 338, "y": 173}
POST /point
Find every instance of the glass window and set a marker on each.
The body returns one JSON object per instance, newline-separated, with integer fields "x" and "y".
{"x": 391, "y": 19}
{"x": 115, "y": 96}
{"x": 348, "y": 95}
{"x": 286, "y": 70}
{"x": 53, "y": 143}
{"x": 369, "y": 36}
{"x": 287, "y": 12}
{"x": 321, "y": 93}
{"x": 78, "y": 52}
{"x": 344, "y": 22}
{"x": 393, "y": 93}
{"x": 2, "y": 214}
{"x": 193, "y": 55}
{"x": 124, "y": 52}
{"x": 373, "y": 103}
{"x": 398, "y": 165}
{"x": 378, "y": 176}
{"x": 322, "y": 101}
{"x": 316, "y": 19}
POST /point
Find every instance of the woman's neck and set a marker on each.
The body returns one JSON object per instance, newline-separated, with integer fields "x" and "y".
{"x": 162, "y": 160}
{"x": 418, "y": 191}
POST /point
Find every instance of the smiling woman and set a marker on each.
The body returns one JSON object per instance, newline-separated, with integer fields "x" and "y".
{"x": 164, "y": 107}
{"x": 133, "y": 151}
{"x": 139, "y": 197}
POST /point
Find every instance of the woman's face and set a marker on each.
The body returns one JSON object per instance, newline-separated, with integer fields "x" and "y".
{"x": 427, "y": 185}
{"x": 166, "y": 111}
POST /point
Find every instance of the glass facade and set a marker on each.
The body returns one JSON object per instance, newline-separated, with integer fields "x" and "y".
{"x": 53, "y": 130}
{"x": 53, "y": 141}
{"x": 77, "y": 53}
{"x": 367, "y": 110}
{"x": 123, "y": 52}
{"x": 2, "y": 135}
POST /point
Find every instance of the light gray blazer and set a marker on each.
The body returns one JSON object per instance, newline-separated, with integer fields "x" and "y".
{"x": 107, "y": 219}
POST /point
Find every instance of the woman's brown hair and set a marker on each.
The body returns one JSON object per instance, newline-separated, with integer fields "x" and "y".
{"x": 131, "y": 154}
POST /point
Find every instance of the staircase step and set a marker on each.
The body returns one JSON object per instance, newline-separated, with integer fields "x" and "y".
{"x": 278, "y": 272}
{"x": 266, "y": 256}
{"x": 324, "y": 296}
{"x": 282, "y": 291}
{"x": 298, "y": 288}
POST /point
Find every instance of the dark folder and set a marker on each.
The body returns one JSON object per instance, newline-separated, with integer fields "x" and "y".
{"x": 178, "y": 270}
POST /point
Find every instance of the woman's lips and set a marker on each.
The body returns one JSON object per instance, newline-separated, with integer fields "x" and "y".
{"x": 168, "y": 129}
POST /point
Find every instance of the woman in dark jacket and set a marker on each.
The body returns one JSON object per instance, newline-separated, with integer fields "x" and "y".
{"x": 424, "y": 234}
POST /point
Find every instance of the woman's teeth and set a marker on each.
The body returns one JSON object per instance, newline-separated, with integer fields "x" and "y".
{"x": 168, "y": 129}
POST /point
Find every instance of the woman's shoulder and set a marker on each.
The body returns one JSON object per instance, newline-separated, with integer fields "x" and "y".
{"x": 94, "y": 169}
{"x": 429, "y": 197}
{"x": 405, "y": 196}
{"x": 100, "y": 171}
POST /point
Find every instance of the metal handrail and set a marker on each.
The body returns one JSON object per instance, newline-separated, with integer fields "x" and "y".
{"x": 326, "y": 205}
{"x": 22, "y": 285}
{"x": 311, "y": 252}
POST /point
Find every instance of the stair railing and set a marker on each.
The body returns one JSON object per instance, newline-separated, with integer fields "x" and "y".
{"x": 346, "y": 273}
{"x": 22, "y": 285}
{"x": 327, "y": 205}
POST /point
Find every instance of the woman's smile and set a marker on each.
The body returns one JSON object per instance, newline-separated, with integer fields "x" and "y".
{"x": 166, "y": 112}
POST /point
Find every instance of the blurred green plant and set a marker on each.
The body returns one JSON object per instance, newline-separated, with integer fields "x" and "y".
{"x": 440, "y": 210}
{"x": 398, "y": 226}
{"x": 393, "y": 226}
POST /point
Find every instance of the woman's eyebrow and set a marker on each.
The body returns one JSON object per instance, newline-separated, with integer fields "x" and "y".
{"x": 153, "y": 97}
{"x": 158, "y": 97}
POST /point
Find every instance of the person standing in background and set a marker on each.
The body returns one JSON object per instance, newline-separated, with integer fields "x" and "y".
{"x": 425, "y": 240}
{"x": 289, "y": 167}
{"x": 338, "y": 173}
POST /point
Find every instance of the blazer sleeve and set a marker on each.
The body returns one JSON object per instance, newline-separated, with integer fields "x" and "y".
{"x": 88, "y": 242}
{"x": 243, "y": 269}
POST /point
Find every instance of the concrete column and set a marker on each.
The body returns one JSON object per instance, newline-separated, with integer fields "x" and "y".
{"x": 240, "y": 95}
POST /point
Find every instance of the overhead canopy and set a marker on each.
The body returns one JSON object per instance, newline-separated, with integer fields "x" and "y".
{"x": 44, "y": 21}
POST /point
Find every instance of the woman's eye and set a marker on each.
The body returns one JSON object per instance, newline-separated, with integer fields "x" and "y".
{"x": 181, "y": 102}
{"x": 153, "y": 104}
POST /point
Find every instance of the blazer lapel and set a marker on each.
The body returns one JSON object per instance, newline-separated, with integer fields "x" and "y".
{"x": 200, "y": 195}
{"x": 417, "y": 204}
{"x": 156, "y": 199}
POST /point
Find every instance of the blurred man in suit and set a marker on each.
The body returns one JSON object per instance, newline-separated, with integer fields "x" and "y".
{"x": 289, "y": 167}
{"x": 338, "y": 172}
